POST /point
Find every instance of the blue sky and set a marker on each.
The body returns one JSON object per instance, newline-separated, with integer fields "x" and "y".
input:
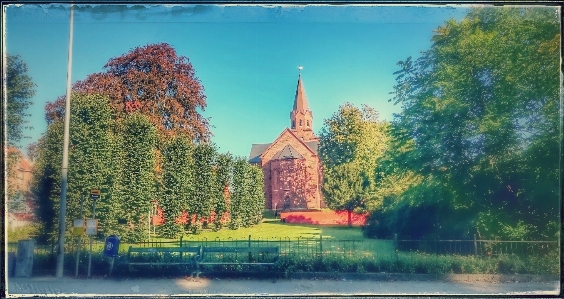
{"x": 246, "y": 57}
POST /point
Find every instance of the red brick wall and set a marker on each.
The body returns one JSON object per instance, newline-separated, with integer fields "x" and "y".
{"x": 323, "y": 217}
{"x": 300, "y": 175}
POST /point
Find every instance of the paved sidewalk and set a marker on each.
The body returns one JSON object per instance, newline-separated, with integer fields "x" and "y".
{"x": 245, "y": 287}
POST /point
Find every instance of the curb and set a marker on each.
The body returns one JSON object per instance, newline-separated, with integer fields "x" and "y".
{"x": 427, "y": 277}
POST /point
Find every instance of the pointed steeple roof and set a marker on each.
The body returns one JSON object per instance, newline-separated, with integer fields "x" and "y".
{"x": 300, "y": 102}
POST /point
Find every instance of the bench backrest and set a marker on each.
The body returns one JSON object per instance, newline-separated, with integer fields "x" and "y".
{"x": 240, "y": 249}
{"x": 193, "y": 249}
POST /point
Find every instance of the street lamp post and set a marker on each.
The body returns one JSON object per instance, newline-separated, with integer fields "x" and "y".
{"x": 63, "y": 201}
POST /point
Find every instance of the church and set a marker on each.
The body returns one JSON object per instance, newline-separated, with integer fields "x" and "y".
{"x": 290, "y": 164}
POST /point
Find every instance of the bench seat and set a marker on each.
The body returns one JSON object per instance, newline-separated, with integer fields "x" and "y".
{"x": 163, "y": 256}
{"x": 242, "y": 256}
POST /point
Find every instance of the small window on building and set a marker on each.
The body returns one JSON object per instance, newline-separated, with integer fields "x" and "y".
{"x": 307, "y": 123}
{"x": 301, "y": 123}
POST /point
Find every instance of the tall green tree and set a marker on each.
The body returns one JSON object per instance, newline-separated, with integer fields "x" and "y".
{"x": 178, "y": 183}
{"x": 136, "y": 179}
{"x": 351, "y": 144}
{"x": 223, "y": 178}
{"x": 91, "y": 158}
{"x": 204, "y": 183}
{"x": 91, "y": 145}
{"x": 476, "y": 106}
{"x": 19, "y": 89}
{"x": 46, "y": 180}
{"x": 247, "y": 198}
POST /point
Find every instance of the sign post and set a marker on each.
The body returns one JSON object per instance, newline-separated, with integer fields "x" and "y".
{"x": 78, "y": 229}
{"x": 92, "y": 225}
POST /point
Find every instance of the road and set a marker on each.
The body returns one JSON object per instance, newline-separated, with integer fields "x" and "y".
{"x": 245, "y": 287}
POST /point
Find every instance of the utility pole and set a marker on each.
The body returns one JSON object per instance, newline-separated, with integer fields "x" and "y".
{"x": 63, "y": 202}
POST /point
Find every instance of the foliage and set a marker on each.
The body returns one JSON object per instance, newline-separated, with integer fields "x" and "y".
{"x": 223, "y": 176}
{"x": 351, "y": 144}
{"x": 247, "y": 198}
{"x": 90, "y": 163}
{"x": 46, "y": 179}
{"x": 418, "y": 263}
{"x": 19, "y": 89}
{"x": 135, "y": 187}
{"x": 204, "y": 181}
{"x": 480, "y": 125}
{"x": 154, "y": 81}
{"x": 90, "y": 158}
{"x": 177, "y": 185}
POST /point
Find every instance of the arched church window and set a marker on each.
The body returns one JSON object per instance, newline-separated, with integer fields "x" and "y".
{"x": 307, "y": 123}
{"x": 301, "y": 123}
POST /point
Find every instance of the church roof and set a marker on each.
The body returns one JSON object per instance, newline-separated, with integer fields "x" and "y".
{"x": 300, "y": 101}
{"x": 288, "y": 152}
{"x": 258, "y": 149}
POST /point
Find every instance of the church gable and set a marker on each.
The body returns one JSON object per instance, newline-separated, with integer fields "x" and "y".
{"x": 287, "y": 138}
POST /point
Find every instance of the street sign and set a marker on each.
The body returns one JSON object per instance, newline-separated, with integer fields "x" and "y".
{"x": 92, "y": 227}
{"x": 94, "y": 194}
{"x": 78, "y": 227}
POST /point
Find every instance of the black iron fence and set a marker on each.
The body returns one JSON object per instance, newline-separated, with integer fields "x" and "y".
{"x": 45, "y": 255}
{"x": 479, "y": 247}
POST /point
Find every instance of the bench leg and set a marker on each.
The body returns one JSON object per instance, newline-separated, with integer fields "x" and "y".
{"x": 274, "y": 273}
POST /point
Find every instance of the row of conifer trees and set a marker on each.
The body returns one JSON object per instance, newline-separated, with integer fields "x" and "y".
{"x": 138, "y": 168}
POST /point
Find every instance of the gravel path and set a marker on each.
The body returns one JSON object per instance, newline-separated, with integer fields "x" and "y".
{"x": 244, "y": 287}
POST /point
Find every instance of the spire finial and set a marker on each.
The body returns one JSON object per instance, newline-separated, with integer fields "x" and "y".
{"x": 300, "y": 70}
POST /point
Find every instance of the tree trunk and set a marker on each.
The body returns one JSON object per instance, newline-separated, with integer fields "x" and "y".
{"x": 350, "y": 217}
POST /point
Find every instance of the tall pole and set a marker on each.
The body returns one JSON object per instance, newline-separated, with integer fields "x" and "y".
{"x": 90, "y": 254}
{"x": 78, "y": 245}
{"x": 63, "y": 202}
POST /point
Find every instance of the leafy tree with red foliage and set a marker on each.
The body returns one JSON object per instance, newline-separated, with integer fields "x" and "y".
{"x": 153, "y": 80}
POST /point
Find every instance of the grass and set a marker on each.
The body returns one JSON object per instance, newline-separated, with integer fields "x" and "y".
{"x": 274, "y": 229}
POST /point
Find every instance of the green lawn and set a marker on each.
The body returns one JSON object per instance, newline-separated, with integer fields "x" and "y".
{"x": 270, "y": 229}
{"x": 335, "y": 238}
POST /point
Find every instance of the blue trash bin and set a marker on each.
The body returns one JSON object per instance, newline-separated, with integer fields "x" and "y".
{"x": 111, "y": 247}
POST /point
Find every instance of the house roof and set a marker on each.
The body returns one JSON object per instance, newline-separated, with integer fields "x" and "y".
{"x": 23, "y": 216}
{"x": 23, "y": 162}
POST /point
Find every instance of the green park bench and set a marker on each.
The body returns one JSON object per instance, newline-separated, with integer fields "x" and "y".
{"x": 163, "y": 256}
{"x": 238, "y": 256}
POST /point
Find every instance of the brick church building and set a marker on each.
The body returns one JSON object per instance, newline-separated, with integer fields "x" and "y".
{"x": 290, "y": 164}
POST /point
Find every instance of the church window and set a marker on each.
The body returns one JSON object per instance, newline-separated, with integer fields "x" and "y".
{"x": 301, "y": 123}
{"x": 307, "y": 123}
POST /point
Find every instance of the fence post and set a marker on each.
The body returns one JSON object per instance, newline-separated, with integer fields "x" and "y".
{"x": 321, "y": 246}
{"x": 475, "y": 246}
{"x": 250, "y": 258}
{"x": 396, "y": 246}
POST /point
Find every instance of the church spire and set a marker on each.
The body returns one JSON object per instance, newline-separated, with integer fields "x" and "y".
{"x": 300, "y": 101}
{"x": 301, "y": 117}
